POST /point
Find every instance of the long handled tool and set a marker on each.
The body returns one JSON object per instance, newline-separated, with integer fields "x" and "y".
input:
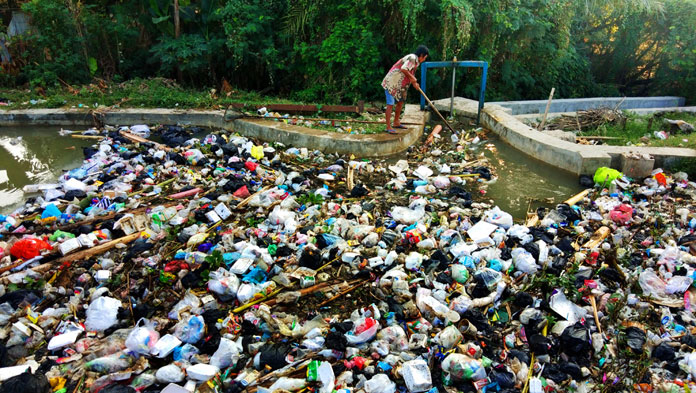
{"x": 435, "y": 109}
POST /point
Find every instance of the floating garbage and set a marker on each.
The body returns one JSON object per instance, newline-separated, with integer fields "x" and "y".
{"x": 219, "y": 264}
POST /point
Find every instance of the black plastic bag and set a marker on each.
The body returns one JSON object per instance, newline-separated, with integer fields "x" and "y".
{"x": 26, "y": 383}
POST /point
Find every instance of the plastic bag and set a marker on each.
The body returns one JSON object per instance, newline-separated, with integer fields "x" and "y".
{"x": 417, "y": 376}
{"x": 190, "y": 330}
{"x": 395, "y": 336}
{"x": 102, "y": 313}
{"x": 524, "y": 261}
{"x": 226, "y": 355}
{"x": 28, "y": 248}
{"x": 463, "y": 367}
{"x": 605, "y": 176}
{"x": 365, "y": 329}
{"x": 170, "y": 374}
{"x": 449, "y": 337}
{"x": 498, "y": 217}
{"x": 143, "y": 337}
{"x": 380, "y": 383}
{"x": 223, "y": 283}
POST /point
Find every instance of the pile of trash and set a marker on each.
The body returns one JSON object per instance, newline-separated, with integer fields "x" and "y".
{"x": 218, "y": 264}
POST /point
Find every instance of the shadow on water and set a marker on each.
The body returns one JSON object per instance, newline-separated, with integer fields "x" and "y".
{"x": 34, "y": 155}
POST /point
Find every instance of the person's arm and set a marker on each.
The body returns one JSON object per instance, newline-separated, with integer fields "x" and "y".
{"x": 410, "y": 77}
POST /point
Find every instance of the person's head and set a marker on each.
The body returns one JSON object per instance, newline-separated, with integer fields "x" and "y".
{"x": 422, "y": 52}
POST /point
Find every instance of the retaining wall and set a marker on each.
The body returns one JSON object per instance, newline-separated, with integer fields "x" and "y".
{"x": 575, "y": 104}
{"x": 361, "y": 145}
{"x": 575, "y": 158}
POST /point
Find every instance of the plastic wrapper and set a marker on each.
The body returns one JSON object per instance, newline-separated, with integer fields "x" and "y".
{"x": 380, "y": 383}
{"x": 102, "y": 313}
{"x": 143, "y": 338}
{"x": 190, "y": 330}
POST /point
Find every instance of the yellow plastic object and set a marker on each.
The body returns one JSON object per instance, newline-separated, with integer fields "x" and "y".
{"x": 257, "y": 152}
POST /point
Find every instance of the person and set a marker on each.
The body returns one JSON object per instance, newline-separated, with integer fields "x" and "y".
{"x": 396, "y": 84}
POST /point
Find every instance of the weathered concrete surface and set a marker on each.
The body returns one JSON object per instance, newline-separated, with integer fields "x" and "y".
{"x": 562, "y": 135}
{"x": 536, "y": 117}
{"x": 575, "y": 104}
{"x": 579, "y": 159}
{"x": 267, "y": 130}
{"x": 369, "y": 145}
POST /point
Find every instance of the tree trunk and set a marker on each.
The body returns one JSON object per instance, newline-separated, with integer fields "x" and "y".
{"x": 177, "y": 33}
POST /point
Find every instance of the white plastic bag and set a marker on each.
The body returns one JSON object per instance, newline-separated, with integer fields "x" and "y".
{"x": 498, "y": 217}
{"x": 142, "y": 338}
{"x": 102, "y": 313}
{"x": 380, "y": 383}
{"x": 223, "y": 283}
{"x": 524, "y": 261}
{"x": 226, "y": 355}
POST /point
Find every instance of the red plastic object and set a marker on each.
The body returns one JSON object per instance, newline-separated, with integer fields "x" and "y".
{"x": 661, "y": 179}
{"x": 242, "y": 192}
{"x": 186, "y": 193}
{"x": 29, "y": 248}
{"x": 622, "y": 214}
{"x": 251, "y": 165}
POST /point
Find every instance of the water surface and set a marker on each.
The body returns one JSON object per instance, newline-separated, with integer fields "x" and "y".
{"x": 31, "y": 155}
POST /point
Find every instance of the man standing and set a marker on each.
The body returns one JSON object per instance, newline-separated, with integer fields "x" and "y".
{"x": 397, "y": 81}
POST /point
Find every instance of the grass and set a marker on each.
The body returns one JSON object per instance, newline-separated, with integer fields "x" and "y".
{"x": 639, "y": 131}
{"x": 165, "y": 93}
{"x": 135, "y": 93}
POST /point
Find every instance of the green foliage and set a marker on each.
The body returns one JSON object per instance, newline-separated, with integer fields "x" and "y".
{"x": 54, "y": 48}
{"x": 336, "y": 51}
{"x": 309, "y": 199}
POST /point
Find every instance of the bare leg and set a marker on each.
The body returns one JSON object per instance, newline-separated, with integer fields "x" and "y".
{"x": 388, "y": 114}
{"x": 397, "y": 114}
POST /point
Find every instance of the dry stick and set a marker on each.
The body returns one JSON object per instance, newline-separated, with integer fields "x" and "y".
{"x": 85, "y": 254}
{"x": 593, "y": 302}
{"x": 248, "y": 199}
{"x": 77, "y": 136}
{"x": 342, "y": 293}
{"x": 435, "y": 109}
{"x": 138, "y": 139}
{"x": 546, "y": 112}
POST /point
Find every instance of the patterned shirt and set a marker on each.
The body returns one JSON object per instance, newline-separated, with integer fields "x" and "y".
{"x": 395, "y": 82}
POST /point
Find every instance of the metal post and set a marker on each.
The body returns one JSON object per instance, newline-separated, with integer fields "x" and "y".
{"x": 454, "y": 73}
{"x": 482, "y": 92}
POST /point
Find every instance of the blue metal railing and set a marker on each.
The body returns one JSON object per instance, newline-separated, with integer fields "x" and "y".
{"x": 443, "y": 64}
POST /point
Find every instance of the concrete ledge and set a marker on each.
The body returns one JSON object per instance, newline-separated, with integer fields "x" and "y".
{"x": 578, "y": 159}
{"x": 575, "y": 104}
{"x": 536, "y": 117}
{"x": 268, "y": 130}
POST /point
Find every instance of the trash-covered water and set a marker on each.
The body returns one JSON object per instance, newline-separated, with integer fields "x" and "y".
{"x": 40, "y": 155}
{"x": 32, "y": 155}
{"x": 522, "y": 179}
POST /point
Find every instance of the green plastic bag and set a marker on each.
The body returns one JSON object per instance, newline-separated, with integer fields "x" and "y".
{"x": 605, "y": 176}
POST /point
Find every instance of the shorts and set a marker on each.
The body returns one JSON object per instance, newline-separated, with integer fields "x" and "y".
{"x": 390, "y": 99}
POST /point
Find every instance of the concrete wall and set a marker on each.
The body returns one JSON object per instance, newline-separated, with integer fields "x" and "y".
{"x": 368, "y": 145}
{"x": 575, "y": 104}
{"x": 578, "y": 159}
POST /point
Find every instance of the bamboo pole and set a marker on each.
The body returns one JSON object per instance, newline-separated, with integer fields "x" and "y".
{"x": 546, "y": 112}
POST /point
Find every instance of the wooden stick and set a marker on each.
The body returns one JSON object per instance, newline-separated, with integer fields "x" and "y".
{"x": 90, "y": 252}
{"x": 435, "y": 109}
{"x": 593, "y": 302}
{"x": 78, "y": 136}
{"x": 546, "y": 112}
{"x": 342, "y": 293}
{"x": 138, "y": 139}
{"x": 248, "y": 199}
